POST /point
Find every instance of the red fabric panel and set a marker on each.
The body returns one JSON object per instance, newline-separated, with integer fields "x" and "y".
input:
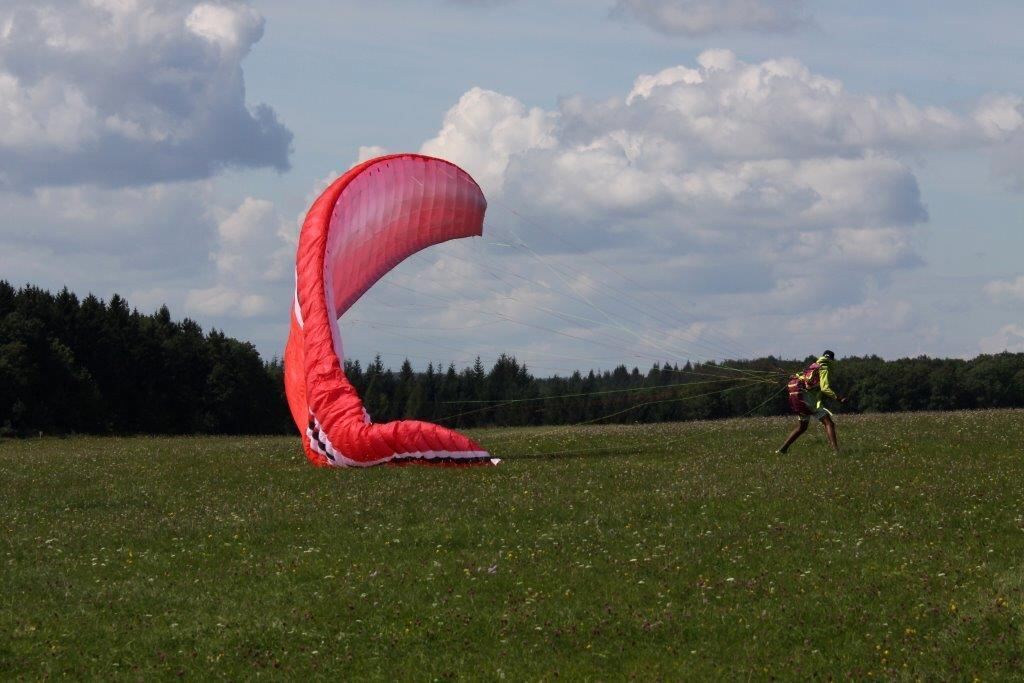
{"x": 295, "y": 376}
{"x": 363, "y": 225}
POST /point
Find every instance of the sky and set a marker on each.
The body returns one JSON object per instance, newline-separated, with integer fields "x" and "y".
{"x": 668, "y": 180}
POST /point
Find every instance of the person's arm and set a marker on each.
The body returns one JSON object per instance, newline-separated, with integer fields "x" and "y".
{"x": 823, "y": 382}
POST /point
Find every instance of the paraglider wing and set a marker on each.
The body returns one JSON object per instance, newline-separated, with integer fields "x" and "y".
{"x": 363, "y": 225}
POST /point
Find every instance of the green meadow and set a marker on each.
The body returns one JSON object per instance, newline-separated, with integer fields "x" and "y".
{"x": 682, "y": 551}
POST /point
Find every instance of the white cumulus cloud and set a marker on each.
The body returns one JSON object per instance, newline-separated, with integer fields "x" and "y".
{"x": 759, "y": 198}
{"x": 702, "y": 17}
{"x": 254, "y": 257}
{"x": 129, "y": 93}
{"x": 485, "y": 129}
{"x": 1006, "y": 290}
{"x": 1006, "y": 338}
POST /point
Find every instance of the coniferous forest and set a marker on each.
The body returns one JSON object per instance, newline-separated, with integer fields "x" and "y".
{"x": 89, "y": 366}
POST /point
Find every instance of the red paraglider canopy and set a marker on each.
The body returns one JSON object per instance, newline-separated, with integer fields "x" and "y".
{"x": 367, "y": 222}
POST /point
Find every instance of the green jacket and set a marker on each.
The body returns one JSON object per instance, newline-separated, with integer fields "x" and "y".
{"x": 824, "y": 364}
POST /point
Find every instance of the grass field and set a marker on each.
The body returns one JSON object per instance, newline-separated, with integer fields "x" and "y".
{"x": 684, "y": 551}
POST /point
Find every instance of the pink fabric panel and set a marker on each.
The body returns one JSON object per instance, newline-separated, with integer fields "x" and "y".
{"x": 393, "y": 210}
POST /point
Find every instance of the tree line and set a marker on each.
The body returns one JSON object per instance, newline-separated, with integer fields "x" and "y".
{"x": 100, "y": 367}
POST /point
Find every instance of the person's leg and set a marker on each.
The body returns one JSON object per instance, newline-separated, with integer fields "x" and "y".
{"x": 794, "y": 435}
{"x": 830, "y": 432}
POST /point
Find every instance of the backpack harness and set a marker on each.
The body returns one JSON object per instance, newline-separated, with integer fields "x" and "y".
{"x": 808, "y": 380}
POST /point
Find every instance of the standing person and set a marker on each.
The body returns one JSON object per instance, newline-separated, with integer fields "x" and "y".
{"x": 806, "y": 395}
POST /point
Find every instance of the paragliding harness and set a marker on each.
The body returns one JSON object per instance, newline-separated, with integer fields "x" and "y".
{"x": 799, "y": 384}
